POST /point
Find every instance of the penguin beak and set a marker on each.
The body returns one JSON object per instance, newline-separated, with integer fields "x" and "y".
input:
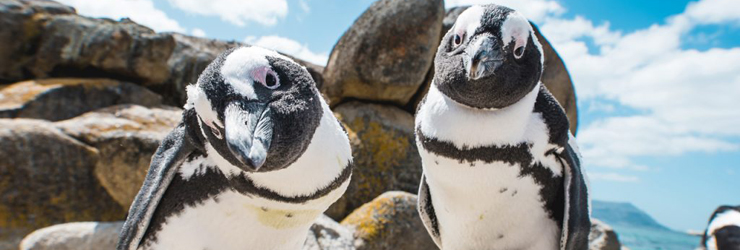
{"x": 249, "y": 129}
{"x": 483, "y": 59}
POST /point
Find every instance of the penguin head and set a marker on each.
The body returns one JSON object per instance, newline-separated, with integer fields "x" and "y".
{"x": 489, "y": 59}
{"x": 256, "y": 108}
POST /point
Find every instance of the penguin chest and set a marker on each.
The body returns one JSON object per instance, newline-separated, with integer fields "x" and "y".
{"x": 488, "y": 205}
{"x": 232, "y": 220}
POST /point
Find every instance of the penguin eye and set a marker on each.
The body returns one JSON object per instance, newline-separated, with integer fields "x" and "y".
{"x": 457, "y": 40}
{"x": 271, "y": 81}
{"x": 519, "y": 52}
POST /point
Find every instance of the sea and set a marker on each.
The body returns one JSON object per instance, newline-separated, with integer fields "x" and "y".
{"x": 636, "y": 238}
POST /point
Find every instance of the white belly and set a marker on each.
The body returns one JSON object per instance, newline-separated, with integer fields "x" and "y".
{"x": 235, "y": 221}
{"x": 487, "y": 206}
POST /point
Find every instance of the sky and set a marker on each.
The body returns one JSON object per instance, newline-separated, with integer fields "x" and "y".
{"x": 658, "y": 82}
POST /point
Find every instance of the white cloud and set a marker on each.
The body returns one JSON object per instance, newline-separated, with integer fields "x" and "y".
{"x": 535, "y": 10}
{"x": 714, "y": 11}
{"x": 289, "y": 47}
{"x": 304, "y": 6}
{"x": 141, "y": 11}
{"x": 685, "y": 100}
{"x": 198, "y": 32}
{"x": 612, "y": 177}
{"x": 237, "y": 12}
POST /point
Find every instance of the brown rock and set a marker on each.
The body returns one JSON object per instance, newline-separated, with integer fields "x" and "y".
{"x": 74, "y": 236}
{"x": 62, "y": 98}
{"x": 46, "y": 178}
{"x": 602, "y": 237}
{"x": 386, "y": 53}
{"x": 19, "y": 33}
{"x": 555, "y": 75}
{"x": 390, "y": 221}
{"x": 384, "y": 151}
{"x": 126, "y": 137}
{"x": 71, "y": 45}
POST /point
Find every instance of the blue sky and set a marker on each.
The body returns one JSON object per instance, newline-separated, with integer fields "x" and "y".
{"x": 658, "y": 81}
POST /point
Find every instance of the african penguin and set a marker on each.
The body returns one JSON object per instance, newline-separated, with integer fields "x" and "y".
{"x": 723, "y": 231}
{"x": 501, "y": 170}
{"x": 256, "y": 159}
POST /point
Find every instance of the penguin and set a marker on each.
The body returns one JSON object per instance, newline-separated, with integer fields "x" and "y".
{"x": 257, "y": 158}
{"x": 723, "y": 230}
{"x": 500, "y": 168}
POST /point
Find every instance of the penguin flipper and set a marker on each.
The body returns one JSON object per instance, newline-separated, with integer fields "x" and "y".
{"x": 426, "y": 211}
{"x": 173, "y": 150}
{"x": 576, "y": 220}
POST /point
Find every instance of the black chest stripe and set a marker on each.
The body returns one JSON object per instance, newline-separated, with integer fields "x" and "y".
{"x": 199, "y": 188}
{"x": 552, "y": 192}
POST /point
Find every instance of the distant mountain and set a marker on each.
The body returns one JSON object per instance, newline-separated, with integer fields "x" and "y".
{"x": 637, "y": 230}
{"x": 624, "y": 214}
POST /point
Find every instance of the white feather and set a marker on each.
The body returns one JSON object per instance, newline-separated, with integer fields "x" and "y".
{"x": 516, "y": 27}
{"x": 232, "y": 221}
{"x": 449, "y": 121}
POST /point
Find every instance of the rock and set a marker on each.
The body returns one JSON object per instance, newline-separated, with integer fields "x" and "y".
{"x": 386, "y": 53}
{"x": 555, "y": 75}
{"x": 327, "y": 234}
{"x": 71, "y": 45}
{"x": 20, "y": 32}
{"x": 384, "y": 151}
{"x": 126, "y": 137}
{"x": 74, "y": 236}
{"x": 602, "y": 237}
{"x": 390, "y": 221}
{"x": 63, "y": 98}
{"x": 46, "y": 178}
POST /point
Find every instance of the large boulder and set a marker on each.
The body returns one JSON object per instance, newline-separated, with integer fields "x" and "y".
{"x": 46, "y": 178}
{"x": 20, "y": 32}
{"x": 384, "y": 151}
{"x": 63, "y": 98}
{"x": 71, "y": 45}
{"x": 74, "y": 236}
{"x": 386, "y": 53}
{"x": 555, "y": 75}
{"x": 327, "y": 234}
{"x": 126, "y": 137}
{"x": 390, "y": 221}
{"x": 602, "y": 237}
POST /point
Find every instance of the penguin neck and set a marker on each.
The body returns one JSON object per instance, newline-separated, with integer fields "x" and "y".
{"x": 464, "y": 126}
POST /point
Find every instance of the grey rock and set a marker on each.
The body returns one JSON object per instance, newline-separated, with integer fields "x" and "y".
{"x": 126, "y": 137}
{"x": 74, "y": 236}
{"x": 46, "y": 178}
{"x": 390, "y": 221}
{"x": 602, "y": 237}
{"x": 384, "y": 151}
{"x": 62, "y": 98}
{"x": 386, "y": 53}
{"x": 327, "y": 234}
